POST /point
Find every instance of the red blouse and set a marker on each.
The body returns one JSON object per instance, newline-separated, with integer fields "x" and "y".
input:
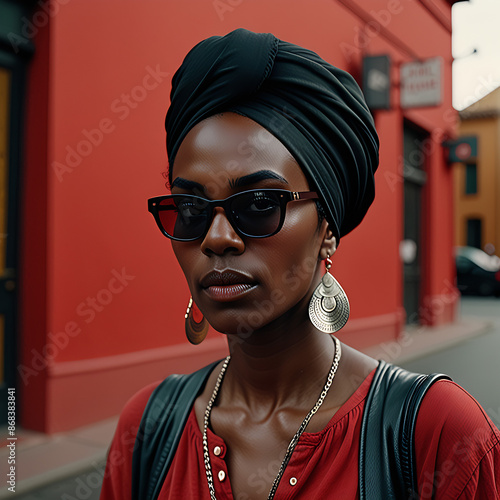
{"x": 457, "y": 445}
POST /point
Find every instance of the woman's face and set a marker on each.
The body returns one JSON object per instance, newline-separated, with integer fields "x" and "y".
{"x": 270, "y": 279}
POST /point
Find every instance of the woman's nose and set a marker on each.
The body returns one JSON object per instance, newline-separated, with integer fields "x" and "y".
{"x": 221, "y": 236}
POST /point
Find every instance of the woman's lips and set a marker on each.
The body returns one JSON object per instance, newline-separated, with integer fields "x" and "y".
{"x": 226, "y": 285}
{"x": 225, "y": 293}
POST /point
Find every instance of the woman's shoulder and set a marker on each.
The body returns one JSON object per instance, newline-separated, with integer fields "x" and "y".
{"x": 117, "y": 478}
{"x": 135, "y": 405}
{"x": 449, "y": 408}
{"x": 457, "y": 444}
{"x": 134, "y": 408}
{"x": 164, "y": 390}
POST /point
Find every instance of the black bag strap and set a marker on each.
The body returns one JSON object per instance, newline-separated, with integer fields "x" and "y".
{"x": 387, "y": 445}
{"x": 160, "y": 430}
{"x": 387, "y": 454}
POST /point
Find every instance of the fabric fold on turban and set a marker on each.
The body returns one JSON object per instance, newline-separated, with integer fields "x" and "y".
{"x": 315, "y": 109}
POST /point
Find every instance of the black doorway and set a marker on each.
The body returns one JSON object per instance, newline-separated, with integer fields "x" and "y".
{"x": 14, "y": 58}
{"x": 415, "y": 177}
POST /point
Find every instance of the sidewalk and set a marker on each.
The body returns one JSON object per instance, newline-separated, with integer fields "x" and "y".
{"x": 44, "y": 460}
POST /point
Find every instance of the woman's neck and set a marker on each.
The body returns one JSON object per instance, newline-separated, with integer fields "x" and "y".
{"x": 284, "y": 363}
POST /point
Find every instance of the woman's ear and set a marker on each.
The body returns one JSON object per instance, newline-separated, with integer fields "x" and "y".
{"x": 329, "y": 243}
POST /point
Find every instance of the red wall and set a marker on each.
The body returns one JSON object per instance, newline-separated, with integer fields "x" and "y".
{"x": 115, "y": 297}
{"x": 33, "y": 374}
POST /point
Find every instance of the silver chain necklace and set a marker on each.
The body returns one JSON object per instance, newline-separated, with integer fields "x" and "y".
{"x": 293, "y": 442}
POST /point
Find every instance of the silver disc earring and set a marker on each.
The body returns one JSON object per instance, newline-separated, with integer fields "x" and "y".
{"x": 329, "y": 306}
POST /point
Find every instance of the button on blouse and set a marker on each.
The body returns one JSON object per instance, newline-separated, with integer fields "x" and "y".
{"x": 318, "y": 459}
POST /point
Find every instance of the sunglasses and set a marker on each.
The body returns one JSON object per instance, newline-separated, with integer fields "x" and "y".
{"x": 257, "y": 213}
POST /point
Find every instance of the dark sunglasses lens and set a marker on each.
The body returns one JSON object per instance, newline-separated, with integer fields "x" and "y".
{"x": 183, "y": 217}
{"x": 257, "y": 213}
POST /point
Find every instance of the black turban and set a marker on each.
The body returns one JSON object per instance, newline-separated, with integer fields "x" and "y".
{"x": 315, "y": 109}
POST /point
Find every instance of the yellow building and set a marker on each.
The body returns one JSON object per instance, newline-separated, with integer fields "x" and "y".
{"x": 477, "y": 179}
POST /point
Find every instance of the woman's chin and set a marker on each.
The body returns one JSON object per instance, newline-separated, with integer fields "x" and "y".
{"x": 235, "y": 329}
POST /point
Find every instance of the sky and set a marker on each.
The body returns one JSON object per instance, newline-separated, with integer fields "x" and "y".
{"x": 476, "y": 25}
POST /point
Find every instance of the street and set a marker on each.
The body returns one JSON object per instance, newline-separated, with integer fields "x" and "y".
{"x": 474, "y": 364}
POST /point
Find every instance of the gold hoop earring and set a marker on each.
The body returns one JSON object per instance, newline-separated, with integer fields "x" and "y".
{"x": 195, "y": 331}
{"x": 329, "y": 306}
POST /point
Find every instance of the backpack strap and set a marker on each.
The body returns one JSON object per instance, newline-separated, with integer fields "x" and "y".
{"x": 160, "y": 430}
{"x": 387, "y": 447}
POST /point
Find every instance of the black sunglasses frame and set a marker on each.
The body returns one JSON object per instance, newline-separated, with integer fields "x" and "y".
{"x": 284, "y": 197}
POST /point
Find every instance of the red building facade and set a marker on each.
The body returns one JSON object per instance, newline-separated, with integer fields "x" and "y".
{"x": 101, "y": 297}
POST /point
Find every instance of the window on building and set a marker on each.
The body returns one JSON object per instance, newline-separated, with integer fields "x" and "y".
{"x": 471, "y": 178}
{"x": 474, "y": 231}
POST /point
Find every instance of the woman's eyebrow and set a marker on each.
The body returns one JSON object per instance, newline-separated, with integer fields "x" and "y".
{"x": 246, "y": 180}
{"x": 255, "y": 177}
{"x": 182, "y": 183}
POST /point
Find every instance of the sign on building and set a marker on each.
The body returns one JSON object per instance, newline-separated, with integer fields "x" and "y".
{"x": 462, "y": 149}
{"x": 421, "y": 83}
{"x": 377, "y": 81}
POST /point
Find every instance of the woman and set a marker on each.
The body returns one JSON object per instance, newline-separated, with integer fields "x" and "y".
{"x": 272, "y": 155}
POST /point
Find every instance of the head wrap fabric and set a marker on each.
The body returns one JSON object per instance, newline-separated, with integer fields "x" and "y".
{"x": 315, "y": 109}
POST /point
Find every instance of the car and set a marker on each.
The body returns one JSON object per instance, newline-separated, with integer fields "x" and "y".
{"x": 477, "y": 272}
